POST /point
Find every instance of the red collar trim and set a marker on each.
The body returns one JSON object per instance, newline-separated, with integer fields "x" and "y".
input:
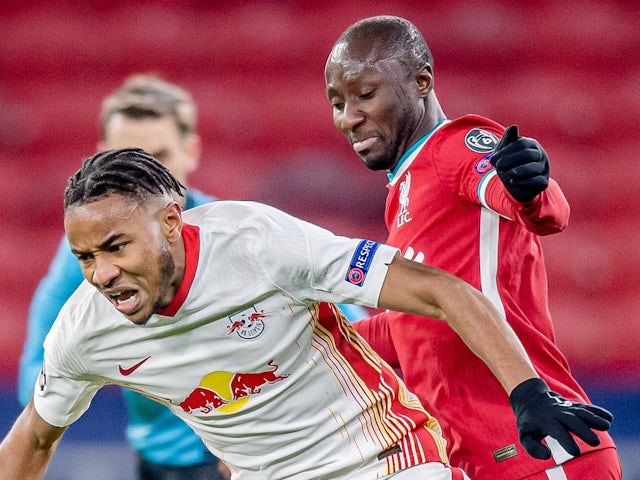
{"x": 191, "y": 238}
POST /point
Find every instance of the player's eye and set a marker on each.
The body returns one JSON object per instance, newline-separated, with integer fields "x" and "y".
{"x": 367, "y": 95}
{"x": 84, "y": 257}
{"x": 117, "y": 247}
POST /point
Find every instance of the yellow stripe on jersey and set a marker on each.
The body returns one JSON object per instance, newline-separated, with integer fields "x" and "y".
{"x": 382, "y": 417}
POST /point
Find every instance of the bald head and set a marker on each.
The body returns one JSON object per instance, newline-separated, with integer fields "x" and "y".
{"x": 379, "y": 81}
{"x": 380, "y": 38}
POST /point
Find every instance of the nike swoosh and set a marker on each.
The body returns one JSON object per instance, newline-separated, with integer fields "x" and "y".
{"x": 130, "y": 370}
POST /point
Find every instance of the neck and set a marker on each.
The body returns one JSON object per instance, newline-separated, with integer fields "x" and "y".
{"x": 433, "y": 115}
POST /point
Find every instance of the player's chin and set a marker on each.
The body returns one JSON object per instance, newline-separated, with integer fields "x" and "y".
{"x": 375, "y": 162}
{"x": 140, "y": 315}
{"x": 139, "y": 318}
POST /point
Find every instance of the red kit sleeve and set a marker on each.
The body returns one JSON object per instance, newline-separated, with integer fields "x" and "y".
{"x": 546, "y": 214}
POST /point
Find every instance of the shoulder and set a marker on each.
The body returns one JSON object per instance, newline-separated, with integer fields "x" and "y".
{"x": 228, "y": 212}
{"x": 253, "y": 224}
{"x": 474, "y": 134}
{"x": 458, "y": 152}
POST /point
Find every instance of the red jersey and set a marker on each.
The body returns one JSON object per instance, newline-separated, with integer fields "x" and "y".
{"x": 447, "y": 208}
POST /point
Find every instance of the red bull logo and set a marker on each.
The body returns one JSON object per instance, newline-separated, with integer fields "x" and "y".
{"x": 228, "y": 392}
{"x": 202, "y": 399}
{"x": 244, "y": 384}
{"x": 247, "y": 324}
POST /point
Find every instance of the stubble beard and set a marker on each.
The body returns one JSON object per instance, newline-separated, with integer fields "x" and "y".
{"x": 167, "y": 269}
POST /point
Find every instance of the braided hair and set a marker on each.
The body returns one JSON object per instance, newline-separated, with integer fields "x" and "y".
{"x": 129, "y": 171}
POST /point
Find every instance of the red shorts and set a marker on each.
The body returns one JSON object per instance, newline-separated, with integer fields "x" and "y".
{"x": 597, "y": 465}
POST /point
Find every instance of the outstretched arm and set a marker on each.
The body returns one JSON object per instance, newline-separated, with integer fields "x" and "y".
{"x": 416, "y": 288}
{"x": 28, "y": 448}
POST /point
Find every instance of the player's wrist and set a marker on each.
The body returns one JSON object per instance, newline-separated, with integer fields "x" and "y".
{"x": 525, "y": 391}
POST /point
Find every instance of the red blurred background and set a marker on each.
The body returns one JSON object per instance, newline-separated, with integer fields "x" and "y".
{"x": 568, "y": 73}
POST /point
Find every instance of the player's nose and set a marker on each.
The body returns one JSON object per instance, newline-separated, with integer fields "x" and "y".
{"x": 104, "y": 272}
{"x": 351, "y": 116}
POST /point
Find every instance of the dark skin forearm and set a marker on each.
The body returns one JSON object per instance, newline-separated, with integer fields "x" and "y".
{"x": 29, "y": 446}
{"x": 416, "y": 288}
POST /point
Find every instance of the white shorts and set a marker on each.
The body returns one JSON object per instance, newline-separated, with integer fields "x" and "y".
{"x": 429, "y": 471}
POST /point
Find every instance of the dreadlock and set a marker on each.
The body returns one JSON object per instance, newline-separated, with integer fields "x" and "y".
{"x": 130, "y": 171}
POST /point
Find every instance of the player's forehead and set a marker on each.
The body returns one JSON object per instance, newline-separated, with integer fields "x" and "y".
{"x": 95, "y": 218}
{"x": 149, "y": 133}
{"x": 349, "y": 63}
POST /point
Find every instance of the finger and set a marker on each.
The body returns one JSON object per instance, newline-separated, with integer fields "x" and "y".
{"x": 578, "y": 427}
{"x": 566, "y": 441}
{"x": 535, "y": 448}
{"x": 510, "y": 135}
{"x": 593, "y": 420}
{"x": 518, "y": 154}
{"x": 599, "y": 411}
{"x": 526, "y": 171}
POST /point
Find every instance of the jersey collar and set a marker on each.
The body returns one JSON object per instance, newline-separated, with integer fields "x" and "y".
{"x": 412, "y": 153}
{"x": 191, "y": 237}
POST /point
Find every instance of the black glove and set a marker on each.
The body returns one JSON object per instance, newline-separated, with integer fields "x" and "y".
{"x": 541, "y": 412}
{"x": 521, "y": 164}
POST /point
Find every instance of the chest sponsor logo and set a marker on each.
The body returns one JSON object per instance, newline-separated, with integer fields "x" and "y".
{"x": 247, "y": 324}
{"x": 361, "y": 262}
{"x": 228, "y": 392}
{"x": 480, "y": 141}
{"x": 403, "y": 201}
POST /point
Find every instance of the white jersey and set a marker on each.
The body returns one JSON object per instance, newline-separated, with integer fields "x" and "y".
{"x": 252, "y": 354}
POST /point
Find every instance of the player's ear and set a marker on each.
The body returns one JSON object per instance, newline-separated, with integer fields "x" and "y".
{"x": 193, "y": 148}
{"x": 172, "y": 222}
{"x": 424, "y": 80}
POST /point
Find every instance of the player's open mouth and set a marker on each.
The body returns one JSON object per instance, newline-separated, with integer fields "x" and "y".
{"x": 125, "y": 300}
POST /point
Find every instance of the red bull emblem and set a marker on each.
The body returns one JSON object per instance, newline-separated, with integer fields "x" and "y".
{"x": 247, "y": 324}
{"x": 243, "y": 384}
{"x": 202, "y": 399}
{"x": 227, "y": 392}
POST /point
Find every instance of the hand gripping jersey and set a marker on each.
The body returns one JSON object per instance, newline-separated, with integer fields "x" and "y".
{"x": 447, "y": 208}
{"x": 275, "y": 381}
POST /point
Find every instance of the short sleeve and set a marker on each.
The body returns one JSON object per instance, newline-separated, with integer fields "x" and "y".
{"x": 313, "y": 264}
